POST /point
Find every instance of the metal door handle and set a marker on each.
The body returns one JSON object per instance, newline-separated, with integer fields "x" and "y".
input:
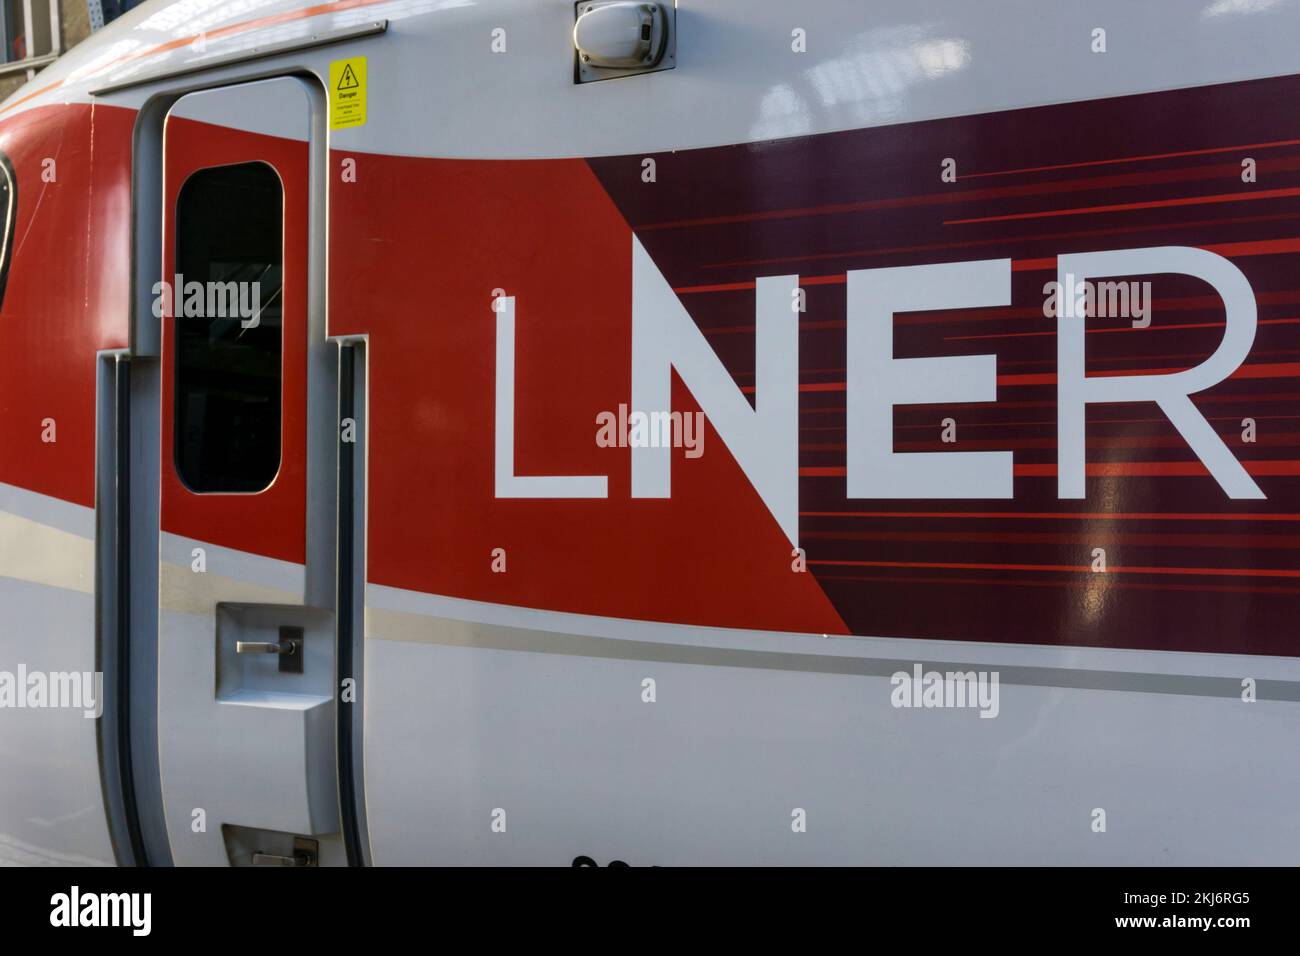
{"x": 289, "y": 648}
{"x": 266, "y": 647}
{"x": 299, "y": 858}
{"x": 305, "y": 852}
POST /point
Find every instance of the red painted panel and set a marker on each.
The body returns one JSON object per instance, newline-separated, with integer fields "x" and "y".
{"x": 416, "y": 248}
{"x": 270, "y": 522}
{"x": 67, "y": 293}
{"x": 1187, "y": 567}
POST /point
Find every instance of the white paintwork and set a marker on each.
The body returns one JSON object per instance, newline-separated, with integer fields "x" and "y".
{"x": 249, "y": 759}
{"x": 49, "y": 781}
{"x": 247, "y": 745}
{"x": 279, "y": 109}
{"x": 437, "y": 89}
{"x": 710, "y": 772}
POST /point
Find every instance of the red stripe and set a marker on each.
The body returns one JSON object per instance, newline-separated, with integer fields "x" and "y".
{"x": 1069, "y": 584}
{"x": 1258, "y": 370}
{"x": 836, "y": 279}
{"x": 955, "y": 196}
{"x": 1002, "y": 240}
{"x": 1177, "y": 469}
{"x": 1124, "y": 207}
{"x": 1285, "y": 440}
{"x": 1264, "y": 247}
{"x": 1057, "y": 515}
{"x": 1203, "y": 401}
{"x": 1131, "y": 159}
{"x": 1123, "y": 328}
{"x": 1164, "y": 356}
{"x": 1111, "y": 469}
{"x": 1069, "y": 568}
{"x": 1046, "y": 423}
{"x": 1176, "y": 539}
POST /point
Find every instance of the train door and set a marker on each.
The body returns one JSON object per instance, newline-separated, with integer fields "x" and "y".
{"x": 246, "y": 640}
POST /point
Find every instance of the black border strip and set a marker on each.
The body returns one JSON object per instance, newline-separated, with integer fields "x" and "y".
{"x": 122, "y": 518}
{"x": 10, "y": 221}
{"x": 345, "y": 611}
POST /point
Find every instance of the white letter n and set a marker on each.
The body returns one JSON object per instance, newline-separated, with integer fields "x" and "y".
{"x": 763, "y": 439}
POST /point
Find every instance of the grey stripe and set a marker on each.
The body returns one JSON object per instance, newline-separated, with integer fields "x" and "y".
{"x": 464, "y": 634}
{"x": 43, "y": 509}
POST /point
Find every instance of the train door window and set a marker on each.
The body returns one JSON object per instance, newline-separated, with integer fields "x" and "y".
{"x": 226, "y": 299}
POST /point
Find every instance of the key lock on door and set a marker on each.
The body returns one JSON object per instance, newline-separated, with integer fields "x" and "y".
{"x": 247, "y": 484}
{"x": 289, "y": 647}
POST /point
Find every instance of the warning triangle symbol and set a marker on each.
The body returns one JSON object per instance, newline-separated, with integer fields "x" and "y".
{"x": 348, "y": 81}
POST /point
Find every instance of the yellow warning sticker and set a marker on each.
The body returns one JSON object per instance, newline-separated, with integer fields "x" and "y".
{"x": 348, "y": 92}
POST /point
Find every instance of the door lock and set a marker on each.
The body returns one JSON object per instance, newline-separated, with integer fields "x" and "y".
{"x": 290, "y": 647}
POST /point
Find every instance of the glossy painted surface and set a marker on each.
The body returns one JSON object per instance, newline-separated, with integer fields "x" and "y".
{"x": 542, "y": 715}
{"x": 1191, "y": 568}
{"x": 444, "y": 92}
{"x": 65, "y": 299}
{"x": 523, "y": 689}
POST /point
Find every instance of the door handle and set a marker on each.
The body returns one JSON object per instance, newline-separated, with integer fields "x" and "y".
{"x": 290, "y": 648}
{"x": 265, "y": 647}
{"x": 275, "y": 859}
{"x": 305, "y": 853}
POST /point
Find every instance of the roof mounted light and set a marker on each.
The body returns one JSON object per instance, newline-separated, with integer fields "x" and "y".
{"x": 622, "y": 37}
